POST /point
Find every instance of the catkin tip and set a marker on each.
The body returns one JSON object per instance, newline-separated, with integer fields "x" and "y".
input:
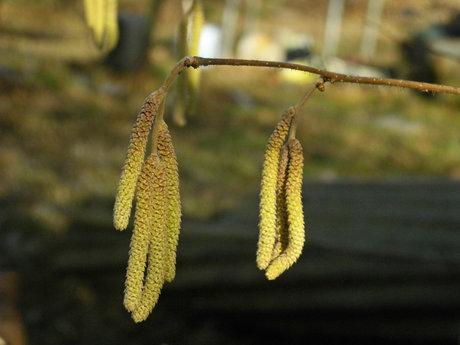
{"x": 270, "y": 274}
{"x": 296, "y": 228}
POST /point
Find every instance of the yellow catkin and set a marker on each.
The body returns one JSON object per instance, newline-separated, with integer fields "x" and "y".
{"x": 140, "y": 239}
{"x": 267, "y": 213}
{"x": 173, "y": 210}
{"x": 281, "y": 212}
{"x": 98, "y": 9}
{"x": 294, "y": 212}
{"x": 135, "y": 158}
{"x": 156, "y": 261}
{"x": 111, "y": 29}
{"x": 102, "y": 18}
{"x": 89, "y": 12}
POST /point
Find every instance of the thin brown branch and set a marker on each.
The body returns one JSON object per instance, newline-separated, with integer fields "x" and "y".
{"x": 332, "y": 77}
{"x": 316, "y": 85}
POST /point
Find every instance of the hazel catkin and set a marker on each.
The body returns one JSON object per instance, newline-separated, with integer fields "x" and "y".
{"x": 146, "y": 201}
{"x": 135, "y": 158}
{"x": 281, "y": 238}
{"x": 294, "y": 212}
{"x": 267, "y": 214}
{"x": 173, "y": 204}
{"x": 102, "y": 18}
{"x": 154, "y": 279}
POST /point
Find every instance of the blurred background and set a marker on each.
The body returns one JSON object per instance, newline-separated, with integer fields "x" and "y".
{"x": 381, "y": 192}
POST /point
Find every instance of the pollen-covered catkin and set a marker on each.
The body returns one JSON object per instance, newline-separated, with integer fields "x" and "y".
{"x": 141, "y": 234}
{"x": 294, "y": 213}
{"x": 281, "y": 239}
{"x": 156, "y": 260}
{"x": 135, "y": 158}
{"x": 173, "y": 204}
{"x": 267, "y": 213}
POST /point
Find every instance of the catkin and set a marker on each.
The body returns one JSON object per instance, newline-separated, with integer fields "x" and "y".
{"x": 102, "y": 18}
{"x": 111, "y": 31}
{"x": 156, "y": 266}
{"x": 135, "y": 158}
{"x": 147, "y": 198}
{"x": 294, "y": 213}
{"x": 173, "y": 208}
{"x": 267, "y": 215}
{"x": 88, "y": 6}
{"x": 281, "y": 239}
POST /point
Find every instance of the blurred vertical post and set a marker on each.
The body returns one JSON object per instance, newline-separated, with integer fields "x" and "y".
{"x": 178, "y": 113}
{"x": 253, "y": 8}
{"x": 371, "y": 29}
{"x": 230, "y": 27}
{"x": 154, "y": 11}
{"x": 333, "y": 27}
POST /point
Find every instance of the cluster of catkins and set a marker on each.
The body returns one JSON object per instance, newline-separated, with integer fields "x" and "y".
{"x": 102, "y": 18}
{"x": 155, "y": 184}
{"x": 281, "y": 223}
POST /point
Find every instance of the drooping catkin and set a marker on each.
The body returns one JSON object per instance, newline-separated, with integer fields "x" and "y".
{"x": 267, "y": 213}
{"x": 294, "y": 213}
{"x": 111, "y": 32}
{"x": 154, "y": 280}
{"x": 135, "y": 158}
{"x": 102, "y": 18}
{"x": 281, "y": 238}
{"x": 146, "y": 217}
{"x": 173, "y": 208}
{"x": 90, "y": 13}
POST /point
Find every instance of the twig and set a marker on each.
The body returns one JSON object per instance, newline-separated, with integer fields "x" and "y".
{"x": 327, "y": 76}
{"x": 317, "y": 85}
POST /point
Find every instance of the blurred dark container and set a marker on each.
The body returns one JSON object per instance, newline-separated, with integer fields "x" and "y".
{"x": 133, "y": 43}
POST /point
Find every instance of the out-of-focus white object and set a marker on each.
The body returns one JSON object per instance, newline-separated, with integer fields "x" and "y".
{"x": 446, "y": 47}
{"x": 371, "y": 28}
{"x": 340, "y": 66}
{"x": 229, "y": 26}
{"x": 333, "y": 27}
{"x": 260, "y": 46}
{"x": 210, "y": 41}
